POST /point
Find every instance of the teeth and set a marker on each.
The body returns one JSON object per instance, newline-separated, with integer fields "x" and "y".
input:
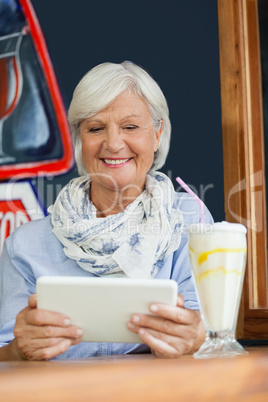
{"x": 115, "y": 162}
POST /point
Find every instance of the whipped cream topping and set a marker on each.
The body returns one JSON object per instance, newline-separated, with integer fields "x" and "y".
{"x": 218, "y": 227}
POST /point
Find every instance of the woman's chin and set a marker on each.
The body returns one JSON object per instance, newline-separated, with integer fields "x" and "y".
{"x": 124, "y": 185}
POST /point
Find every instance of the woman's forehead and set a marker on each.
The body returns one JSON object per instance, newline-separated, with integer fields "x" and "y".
{"x": 126, "y": 105}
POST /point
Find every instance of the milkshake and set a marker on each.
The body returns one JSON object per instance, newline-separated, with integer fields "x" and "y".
{"x": 218, "y": 257}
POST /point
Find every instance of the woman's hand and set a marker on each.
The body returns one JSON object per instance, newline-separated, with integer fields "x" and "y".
{"x": 42, "y": 334}
{"x": 174, "y": 330}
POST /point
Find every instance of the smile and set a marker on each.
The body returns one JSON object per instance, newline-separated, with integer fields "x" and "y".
{"x": 116, "y": 162}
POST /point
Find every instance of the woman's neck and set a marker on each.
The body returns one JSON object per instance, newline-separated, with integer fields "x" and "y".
{"x": 108, "y": 202}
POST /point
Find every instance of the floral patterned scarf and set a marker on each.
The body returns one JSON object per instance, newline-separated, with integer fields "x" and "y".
{"x": 133, "y": 243}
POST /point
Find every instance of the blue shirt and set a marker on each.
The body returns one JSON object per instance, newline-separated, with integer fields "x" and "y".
{"x": 33, "y": 250}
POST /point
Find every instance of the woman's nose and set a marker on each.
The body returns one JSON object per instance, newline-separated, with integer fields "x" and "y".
{"x": 114, "y": 141}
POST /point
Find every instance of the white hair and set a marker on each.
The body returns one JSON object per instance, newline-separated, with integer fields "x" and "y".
{"x": 99, "y": 88}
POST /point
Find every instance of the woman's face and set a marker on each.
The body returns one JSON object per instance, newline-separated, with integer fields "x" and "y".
{"x": 118, "y": 144}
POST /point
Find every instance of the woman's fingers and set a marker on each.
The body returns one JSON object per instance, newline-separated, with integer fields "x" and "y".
{"x": 180, "y": 300}
{"x": 165, "y": 330}
{"x": 161, "y": 348}
{"x": 43, "y": 350}
{"x": 42, "y": 334}
{"x": 156, "y": 323}
{"x": 32, "y": 301}
{"x": 165, "y": 344}
{"x": 37, "y": 323}
{"x": 177, "y": 314}
{"x": 44, "y": 317}
{"x": 42, "y": 343}
{"x": 182, "y": 327}
{"x": 50, "y": 352}
{"x": 41, "y": 317}
{"x": 171, "y": 331}
{"x": 48, "y": 331}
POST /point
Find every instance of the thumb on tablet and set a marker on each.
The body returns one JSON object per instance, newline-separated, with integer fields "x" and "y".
{"x": 32, "y": 301}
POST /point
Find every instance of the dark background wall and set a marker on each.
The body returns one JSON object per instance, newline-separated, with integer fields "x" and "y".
{"x": 176, "y": 41}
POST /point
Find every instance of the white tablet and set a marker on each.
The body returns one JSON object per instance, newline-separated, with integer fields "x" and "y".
{"x": 103, "y": 306}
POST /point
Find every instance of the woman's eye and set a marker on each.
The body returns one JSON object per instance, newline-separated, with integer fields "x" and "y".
{"x": 95, "y": 129}
{"x": 131, "y": 127}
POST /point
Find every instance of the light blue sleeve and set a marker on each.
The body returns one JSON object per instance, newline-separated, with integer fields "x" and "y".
{"x": 12, "y": 282}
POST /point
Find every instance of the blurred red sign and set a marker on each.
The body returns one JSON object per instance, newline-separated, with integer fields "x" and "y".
{"x": 34, "y": 132}
{"x": 18, "y": 204}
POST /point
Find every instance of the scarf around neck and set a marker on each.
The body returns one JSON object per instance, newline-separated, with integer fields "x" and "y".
{"x": 132, "y": 243}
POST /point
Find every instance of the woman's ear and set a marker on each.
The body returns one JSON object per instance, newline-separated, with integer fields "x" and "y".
{"x": 158, "y": 136}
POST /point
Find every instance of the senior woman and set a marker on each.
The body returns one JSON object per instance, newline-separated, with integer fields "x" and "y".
{"x": 119, "y": 218}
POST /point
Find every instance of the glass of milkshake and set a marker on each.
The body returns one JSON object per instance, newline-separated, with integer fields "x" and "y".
{"x": 218, "y": 257}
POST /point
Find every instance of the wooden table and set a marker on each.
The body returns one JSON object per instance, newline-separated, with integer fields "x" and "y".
{"x": 137, "y": 378}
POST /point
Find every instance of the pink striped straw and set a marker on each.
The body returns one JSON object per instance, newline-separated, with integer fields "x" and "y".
{"x": 201, "y": 204}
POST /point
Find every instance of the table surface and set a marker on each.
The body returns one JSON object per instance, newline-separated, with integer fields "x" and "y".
{"x": 138, "y": 378}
